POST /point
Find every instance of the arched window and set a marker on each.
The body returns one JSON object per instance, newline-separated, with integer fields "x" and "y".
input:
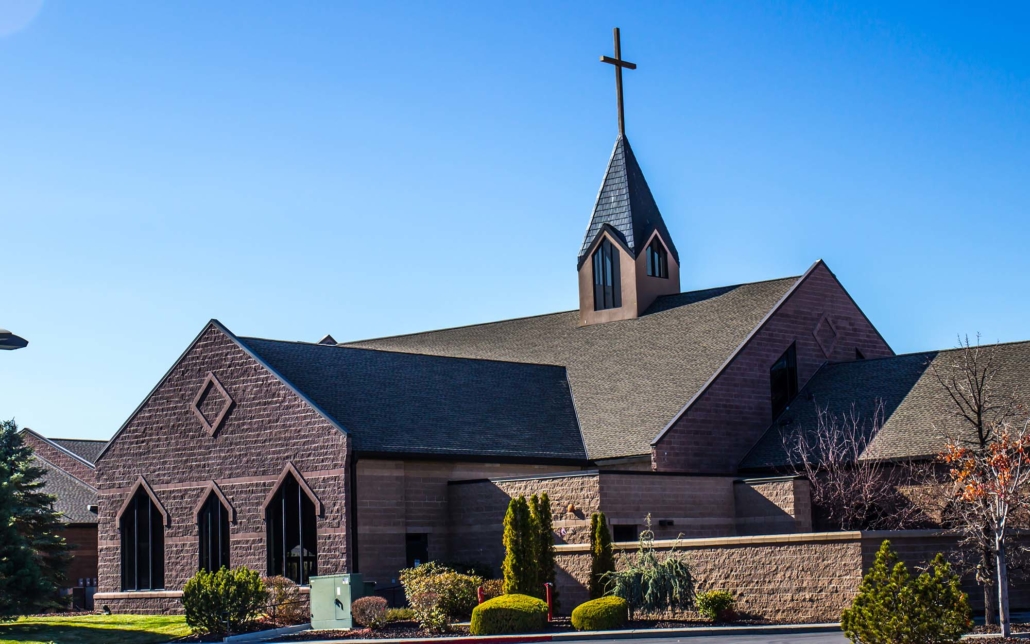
{"x": 213, "y": 526}
{"x": 606, "y": 277}
{"x": 141, "y": 522}
{"x": 657, "y": 259}
{"x": 783, "y": 379}
{"x": 291, "y": 538}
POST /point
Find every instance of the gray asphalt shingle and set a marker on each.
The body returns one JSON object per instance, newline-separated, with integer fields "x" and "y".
{"x": 72, "y": 494}
{"x": 628, "y": 378}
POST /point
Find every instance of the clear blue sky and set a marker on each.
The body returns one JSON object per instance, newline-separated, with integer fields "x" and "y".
{"x": 302, "y": 168}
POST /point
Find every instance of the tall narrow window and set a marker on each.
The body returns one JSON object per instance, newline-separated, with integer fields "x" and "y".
{"x": 143, "y": 552}
{"x": 213, "y": 524}
{"x": 783, "y": 377}
{"x": 657, "y": 259}
{"x": 606, "y": 277}
{"x": 416, "y": 546}
{"x": 291, "y": 537}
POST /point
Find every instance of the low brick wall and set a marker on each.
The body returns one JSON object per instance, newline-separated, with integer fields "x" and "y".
{"x": 798, "y": 578}
{"x": 159, "y": 602}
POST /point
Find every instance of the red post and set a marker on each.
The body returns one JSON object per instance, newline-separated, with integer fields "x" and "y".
{"x": 548, "y": 591}
{"x": 480, "y": 594}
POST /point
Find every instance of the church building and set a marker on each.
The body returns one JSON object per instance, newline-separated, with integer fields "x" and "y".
{"x": 301, "y": 459}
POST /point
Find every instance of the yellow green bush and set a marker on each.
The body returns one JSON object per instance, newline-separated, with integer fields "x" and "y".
{"x": 509, "y": 614}
{"x": 604, "y": 614}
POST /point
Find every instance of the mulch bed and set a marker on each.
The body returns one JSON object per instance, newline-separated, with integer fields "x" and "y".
{"x": 260, "y": 625}
{"x": 411, "y": 630}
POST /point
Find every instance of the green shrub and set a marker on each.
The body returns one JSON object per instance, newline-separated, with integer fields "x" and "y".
{"x": 651, "y": 583}
{"x": 455, "y": 593}
{"x": 602, "y": 558}
{"x": 893, "y": 608}
{"x": 520, "y": 545}
{"x": 285, "y": 606}
{"x": 369, "y": 612}
{"x": 716, "y": 605}
{"x": 224, "y": 601}
{"x": 492, "y": 588}
{"x": 400, "y": 615}
{"x": 509, "y": 614}
{"x": 428, "y": 614}
{"x": 474, "y": 568}
{"x": 604, "y": 614}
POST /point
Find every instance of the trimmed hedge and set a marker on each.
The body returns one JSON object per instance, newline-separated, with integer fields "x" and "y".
{"x": 509, "y": 614}
{"x": 604, "y": 614}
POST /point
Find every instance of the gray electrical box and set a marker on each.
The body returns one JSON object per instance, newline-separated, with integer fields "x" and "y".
{"x": 331, "y": 596}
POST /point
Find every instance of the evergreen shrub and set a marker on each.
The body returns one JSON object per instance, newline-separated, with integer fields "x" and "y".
{"x": 716, "y": 605}
{"x": 893, "y": 608}
{"x": 225, "y": 601}
{"x": 509, "y": 614}
{"x": 602, "y": 558}
{"x": 604, "y": 614}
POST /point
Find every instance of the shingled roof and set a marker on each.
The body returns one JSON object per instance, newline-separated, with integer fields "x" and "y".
{"x": 625, "y": 203}
{"x": 629, "y": 378}
{"x": 399, "y": 403}
{"x": 87, "y": 450}
{"x": 73, "y": 496}
{"x": 918, "y": 415}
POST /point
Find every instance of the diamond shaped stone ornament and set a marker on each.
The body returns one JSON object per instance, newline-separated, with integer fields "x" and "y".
{"x": 211, "y": 404}
{"x": 826, "y": 335}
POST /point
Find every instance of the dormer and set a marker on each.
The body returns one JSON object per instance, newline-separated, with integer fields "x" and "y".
{"x": 627, "y": 258}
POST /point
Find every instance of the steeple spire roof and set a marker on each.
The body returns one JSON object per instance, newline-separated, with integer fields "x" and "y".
{"x": 625, "y": 203}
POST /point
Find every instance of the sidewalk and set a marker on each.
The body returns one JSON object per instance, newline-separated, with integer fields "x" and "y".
{"x": 697, "y": 631}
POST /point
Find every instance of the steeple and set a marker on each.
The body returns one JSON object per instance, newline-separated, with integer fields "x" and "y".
{"x": 627, "y": 258}
{"x": 625, "y": 203}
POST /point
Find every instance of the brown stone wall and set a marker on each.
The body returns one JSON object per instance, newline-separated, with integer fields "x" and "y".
{"x": 773, "y": 506}
{"x": 697, "y": 506}
{"x": 802, "y": 578}
{"x": 718, "y": 429}
{"x": 269, "y": 426}
{"x": 395, "y": 498}
{"x": 59, "y": 457}
{"x": 82, "y": 541}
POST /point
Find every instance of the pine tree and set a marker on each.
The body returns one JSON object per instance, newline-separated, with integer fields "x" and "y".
{"x": 33, "y": 554}
{"x": 519, "y": 566}
{"x": 602, "y": 559}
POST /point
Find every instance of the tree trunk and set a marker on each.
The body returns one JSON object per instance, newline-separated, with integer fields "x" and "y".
{"x": 990, "y": 597}
{"x": 1003, "y": 589}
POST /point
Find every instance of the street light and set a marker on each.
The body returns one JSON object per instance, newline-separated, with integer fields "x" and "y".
{"x": 10, "y": 342}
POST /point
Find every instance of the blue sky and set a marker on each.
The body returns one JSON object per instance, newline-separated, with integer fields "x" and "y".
{"x": 296, "y": 169}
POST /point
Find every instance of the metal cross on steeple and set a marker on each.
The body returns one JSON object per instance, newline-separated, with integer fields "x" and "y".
{"x": 619, "y": 63}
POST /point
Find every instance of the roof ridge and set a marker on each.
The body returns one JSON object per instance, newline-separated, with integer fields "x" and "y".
{"x": 407, "y": 353}
{"x": 65, "y": 472}
{"x": 911, "y": 354}
{"x": 350, "y": 343}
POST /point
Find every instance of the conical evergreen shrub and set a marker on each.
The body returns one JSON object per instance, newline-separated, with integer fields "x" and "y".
{"x": 602, "y": 558}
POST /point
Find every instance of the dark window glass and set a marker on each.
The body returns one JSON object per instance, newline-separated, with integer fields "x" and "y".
{"x": 213, "y": 524}
{"x": 417, "y": 549}
{"x": 657, "y": 259}
{"x": 606, "y": 277}
{"x": 858, "y": 354}
{"x": 625, "y": 533}
{"x": 143, "y": 551}
{"x": 783, "y": 378}
{"x": 291, "y": 536}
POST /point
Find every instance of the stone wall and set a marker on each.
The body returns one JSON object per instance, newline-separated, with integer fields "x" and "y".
{"x": 268, "y": 427}
{"x": 800, "y": 578}
{"x": 714, "y": 434}
{"x": 395, "y": 498}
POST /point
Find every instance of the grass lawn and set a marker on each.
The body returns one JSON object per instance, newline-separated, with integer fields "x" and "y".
{"x": 95, "y": 629}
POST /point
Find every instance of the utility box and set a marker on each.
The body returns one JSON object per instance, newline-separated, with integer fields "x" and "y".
{"x": 331, "y": 596}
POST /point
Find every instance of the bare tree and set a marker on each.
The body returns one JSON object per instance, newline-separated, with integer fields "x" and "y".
{"x": 850, "y": 492}
{"x": 968, "y": 376}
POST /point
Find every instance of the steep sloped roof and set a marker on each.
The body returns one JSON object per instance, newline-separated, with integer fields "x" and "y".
{"x": 629, "y": 378}
{"x": 72, "y": 494}
{"x": 86, "y": 449}
{"x": 918, "y": 415}
{"x": 401, "y": 403}
{"x": 625, "y": 203}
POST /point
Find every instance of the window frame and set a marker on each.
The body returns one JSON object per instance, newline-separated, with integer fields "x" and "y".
{"x": 606, "y": 276}
{"x": 788, "y": 362}
{"x": 214, "y": 545}
{"x": 132, "y": 548}
{"x": 657, "y": 259}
